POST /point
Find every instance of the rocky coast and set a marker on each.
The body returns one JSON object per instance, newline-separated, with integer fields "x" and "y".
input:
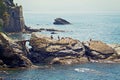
{"x": 49, "y": 51}
{"x": 70, "y": 51}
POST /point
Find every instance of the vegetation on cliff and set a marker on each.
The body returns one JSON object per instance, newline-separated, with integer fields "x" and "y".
{"x": 3, "y": 8}
{"x": 11, "y": 16}
{"x": 0, "y": 26}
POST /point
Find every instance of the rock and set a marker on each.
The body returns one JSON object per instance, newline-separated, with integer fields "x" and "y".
{"x": 66, "y": 50}
{"x": 54, "y": 30}
{"x": 100, "y": 50}
{"x": 69, "y": 60}
{"x": 48, "y": 49}
{"x": 116, "y": 47}
{"x": 32, "y": 30}
{"x": 2, "y": 65}
{"x": 101, "y": 47}
{"x": 1, "y": 78}
{"x": 60, "y": 21}
{"x": 11, "y": 53}
{"x": 53, "y": 33}
{"x": 13, "y": 17}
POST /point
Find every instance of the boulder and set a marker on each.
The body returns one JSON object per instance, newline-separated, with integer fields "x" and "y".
{"x": 2, "y": 65}
{"x": 60, "y": 21}
{"x": 116, "y": 47}
{"x": 45, "y": 47}
{"x": 100, "y": 50}
{"x": 11, "y": 53}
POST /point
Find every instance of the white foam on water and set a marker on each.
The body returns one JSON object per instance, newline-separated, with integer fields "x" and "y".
{"x": 88, "y": 70}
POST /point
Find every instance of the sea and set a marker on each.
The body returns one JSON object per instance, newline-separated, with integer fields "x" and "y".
{"x": 84, "y": 26}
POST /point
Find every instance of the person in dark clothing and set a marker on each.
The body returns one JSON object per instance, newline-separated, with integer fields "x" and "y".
{"x": 51, "y": 37}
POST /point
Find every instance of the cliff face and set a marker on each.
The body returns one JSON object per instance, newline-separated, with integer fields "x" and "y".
{"x": 13, "y": 17}
{"x": 12, "y": 54}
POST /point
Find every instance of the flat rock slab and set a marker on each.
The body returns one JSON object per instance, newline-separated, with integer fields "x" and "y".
{"x": 100, "y": 47}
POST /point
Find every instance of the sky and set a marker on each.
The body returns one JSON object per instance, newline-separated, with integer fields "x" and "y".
{"x": 70, "y": 5}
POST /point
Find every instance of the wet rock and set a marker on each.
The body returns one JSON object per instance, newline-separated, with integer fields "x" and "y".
{"x": 11, "y": 53}
{"x": 60, "y": 21}
{"x": 53, "y": 33}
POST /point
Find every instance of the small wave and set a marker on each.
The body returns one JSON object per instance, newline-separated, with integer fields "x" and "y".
{"x": 87, "y": 70}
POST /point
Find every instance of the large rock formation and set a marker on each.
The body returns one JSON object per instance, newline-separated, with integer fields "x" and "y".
{"x": 48, "y": 50}
{"x": 60, "y": 21}
{"x": 13, "y": 17}
{"x": 68, "y": 51}
{"x": 12, "y": 54}
{"x": 63, "y": 51}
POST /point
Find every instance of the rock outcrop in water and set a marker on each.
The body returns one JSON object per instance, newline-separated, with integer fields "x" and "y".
{"x": 60, "y": 21}
{"x": 51, "y": 51}
{"x": 12, "y": 54}
{"x": 48, "y": 50}
{"x": 69, "y": 51}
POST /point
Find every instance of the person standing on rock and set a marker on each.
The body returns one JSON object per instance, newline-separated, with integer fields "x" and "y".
{"x": 90, "y": 39}
{"x": 51, "y": 37}
{"x": 58, "y": 38}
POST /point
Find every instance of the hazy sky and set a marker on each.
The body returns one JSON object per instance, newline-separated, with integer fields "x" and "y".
{"x": 70, "y": 5}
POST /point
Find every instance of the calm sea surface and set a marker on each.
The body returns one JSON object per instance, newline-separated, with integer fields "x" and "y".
{"x": 104, "y": 27}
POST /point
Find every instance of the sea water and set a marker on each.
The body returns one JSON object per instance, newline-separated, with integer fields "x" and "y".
{"x": 88, "y": 71}
{"x": 104, "y": 27}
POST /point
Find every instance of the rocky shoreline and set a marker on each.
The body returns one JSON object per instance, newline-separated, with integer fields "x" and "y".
{"x": 30, "y": 30}
{"x": 49, "y": 51}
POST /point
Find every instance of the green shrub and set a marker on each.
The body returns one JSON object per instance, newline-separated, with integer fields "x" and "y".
{"x": 1, "y": 24}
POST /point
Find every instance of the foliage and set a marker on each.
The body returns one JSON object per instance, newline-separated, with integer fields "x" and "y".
{"x": 3, "y": 8}
{"x": 6, "y": 18}
{"x": 0, "y": 26}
